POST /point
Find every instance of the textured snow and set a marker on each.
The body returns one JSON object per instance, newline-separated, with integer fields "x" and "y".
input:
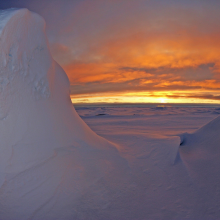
{"x": 49, "y": 158}
{"x": 170, "y": 181}
{"x": 154, "y": 163}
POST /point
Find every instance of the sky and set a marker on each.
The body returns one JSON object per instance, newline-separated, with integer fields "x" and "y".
{"x": 158, "y": 51}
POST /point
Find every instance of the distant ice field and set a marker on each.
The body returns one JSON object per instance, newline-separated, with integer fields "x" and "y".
{"x": 163, "y": 119}
{"x": 145, "y": 124}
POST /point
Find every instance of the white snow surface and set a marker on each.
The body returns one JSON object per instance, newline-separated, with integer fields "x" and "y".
{"x": 49, "y": 158}
{"x": 53, "y": 166}
{"x": 170, "y": 181}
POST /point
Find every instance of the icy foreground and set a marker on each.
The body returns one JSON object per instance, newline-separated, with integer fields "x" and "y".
{"x": 53, "y": 166}
{"x": 169, "y": 181}
{"x": 49, "y": 158}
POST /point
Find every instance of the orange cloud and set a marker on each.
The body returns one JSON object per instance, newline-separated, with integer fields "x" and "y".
{"x": 136, "y": 50}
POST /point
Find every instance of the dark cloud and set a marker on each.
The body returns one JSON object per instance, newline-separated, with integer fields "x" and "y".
{"x": 202, "y": 72}
{"x": 129, "y": 86}
{"x": 204, "y": 96}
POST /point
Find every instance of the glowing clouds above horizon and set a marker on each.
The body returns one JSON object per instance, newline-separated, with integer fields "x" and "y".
{"x": 111, "y": 49}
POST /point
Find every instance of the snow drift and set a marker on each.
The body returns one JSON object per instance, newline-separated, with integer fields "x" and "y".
{"x": 49, "y": 158}
{"x": 200, "y": 152}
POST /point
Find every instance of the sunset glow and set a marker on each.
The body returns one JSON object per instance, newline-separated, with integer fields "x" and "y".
{"x": 145, "y": 97}
{"x": 167, "y": 50}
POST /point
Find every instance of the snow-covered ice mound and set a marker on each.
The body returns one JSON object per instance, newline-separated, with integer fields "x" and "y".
{"x": 49, "y": 158}
{"x": 200, "y": 152}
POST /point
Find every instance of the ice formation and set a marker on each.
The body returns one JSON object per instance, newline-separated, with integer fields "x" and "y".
{"x": 49, "y": 158}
